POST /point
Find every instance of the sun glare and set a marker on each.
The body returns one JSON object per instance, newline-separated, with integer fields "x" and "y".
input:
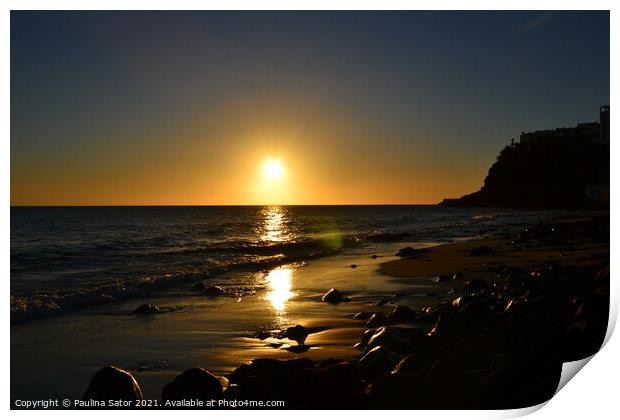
{"x": 273, "y": 169}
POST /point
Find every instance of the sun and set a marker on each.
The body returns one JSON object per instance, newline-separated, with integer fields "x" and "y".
{"x": 273, "y": 169}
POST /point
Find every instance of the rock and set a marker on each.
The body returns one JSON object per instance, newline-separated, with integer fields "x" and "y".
{"x": 362, "y": 315}
{"x": 480, "y": 251}
{"x": 297, "y": 333}
{"x": 267, "y": 376}
{"x": 113, "y": 383}
{"x": 262, "y": 335}
{"x": 374, "y": 256}
{"x": 404, "y": 391}
{"x": 442, "y": 278}
{"x": 254, "y": 388}
{"x": 393, "y": 338}
{"x": 334, "y": 296}
{"x": 338, "y": 386}
{"x": 146, "y": 309}
{"x": 401, "y": 314}
{"x": 214, "y": 291}
{"x": 446, "y": 324}
{"x": 377, "y": 319}
{"x": 353, "y": 266}
{"x": 382, "y": 301}
{"x": 417, "y": 364}
{"x": 476, "y": 286}
{"x": 199, "y": 286}
{"x": 378, "y": 361}
{"x": 367, "y": 334}
{"x": 408, "y": 252}
{"x": 195, "y": 383}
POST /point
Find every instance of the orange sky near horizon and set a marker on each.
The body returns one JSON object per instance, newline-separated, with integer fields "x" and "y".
{"x": 207, "y": 163}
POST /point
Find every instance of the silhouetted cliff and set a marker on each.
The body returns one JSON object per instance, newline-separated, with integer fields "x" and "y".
{"x": 562, "y": 168}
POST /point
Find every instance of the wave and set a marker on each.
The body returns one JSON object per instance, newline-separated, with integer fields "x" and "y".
{"x": 225, "y": 258}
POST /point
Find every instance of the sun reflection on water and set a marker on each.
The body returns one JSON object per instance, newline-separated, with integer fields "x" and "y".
{"x": 280, "y": 282}
{"x": 273, "y": 225}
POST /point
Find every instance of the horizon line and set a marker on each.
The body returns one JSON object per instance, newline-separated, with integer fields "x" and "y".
{"x": 220, "y": 205}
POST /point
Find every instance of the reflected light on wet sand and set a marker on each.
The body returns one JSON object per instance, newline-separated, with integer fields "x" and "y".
{"x": 280, "y": 283}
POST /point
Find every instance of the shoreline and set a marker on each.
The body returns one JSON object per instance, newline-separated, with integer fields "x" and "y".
{"x": 375, "y": 286}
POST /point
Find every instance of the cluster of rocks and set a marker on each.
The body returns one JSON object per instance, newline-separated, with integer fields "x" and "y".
{"x": 494, "y": 346}
{"x": 486, "y": 346}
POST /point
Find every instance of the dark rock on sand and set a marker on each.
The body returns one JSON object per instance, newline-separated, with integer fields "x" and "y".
{"x": 353, "y": 266}
{"x": 214, "y": 291}
{"x": 366, "y": 336}
{"x": 113, "y": 383}
{"x": 442, "y": 278}
{"x": 262, "y": 335}
{"x": 334, "y": 296}
{"x": 446, "y": 325}
{"x": 195, "y": 383}
{"x": 146, "y": 309}
{"x": 401, "y": 314}
{"x": 408, "y": 252}
{"x": 393, "y": 338}
{"x": 476, "y": 286}
{"x": 418, "y": 364}
{"x": 378, "y": 361}
{"x": 297, "y": 333}
{"x": 377, "y": 319}
{"x": 363, "y": 316}
{"x": 338, "y": 386}
{"x": 267, "y": 378}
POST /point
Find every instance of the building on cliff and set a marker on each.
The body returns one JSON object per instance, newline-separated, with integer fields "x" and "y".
{"x": 565, "y": 167}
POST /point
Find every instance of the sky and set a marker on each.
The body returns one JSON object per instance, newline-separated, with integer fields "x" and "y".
{"x": 190, "y": 108}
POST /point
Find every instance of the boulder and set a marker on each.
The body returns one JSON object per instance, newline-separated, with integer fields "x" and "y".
{"x": 476, "y": 286}
{"x": 401, "y": 314}
{"x": 393, "y": 338}
{"x": 338, "y": 386}
{"x": 297, "y": 333}
{"x": 146, "y": 309}
{"x": 378, "y": 361}
{"x": 408, "y": 252}
{"x": 442, "y": 278}
{"x": 195, "y": 383}
{"x": 363, "y": 316}
{"x": 334, "y": 296}
{"x": 377, "y": 319}
{"x": 270, "y": 375}
{"x": 113, "y": 383}
{"x": 417, "y": 364}
{"x": 214, "y": 291}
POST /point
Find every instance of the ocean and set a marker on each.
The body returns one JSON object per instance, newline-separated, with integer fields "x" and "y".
{"x": 67, "y": 258}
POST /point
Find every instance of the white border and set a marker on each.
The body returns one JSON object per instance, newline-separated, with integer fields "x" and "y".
{"x": 593, "y": 393}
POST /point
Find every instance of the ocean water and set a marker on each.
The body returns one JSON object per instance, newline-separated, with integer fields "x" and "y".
{"x": 67, "y": 258}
